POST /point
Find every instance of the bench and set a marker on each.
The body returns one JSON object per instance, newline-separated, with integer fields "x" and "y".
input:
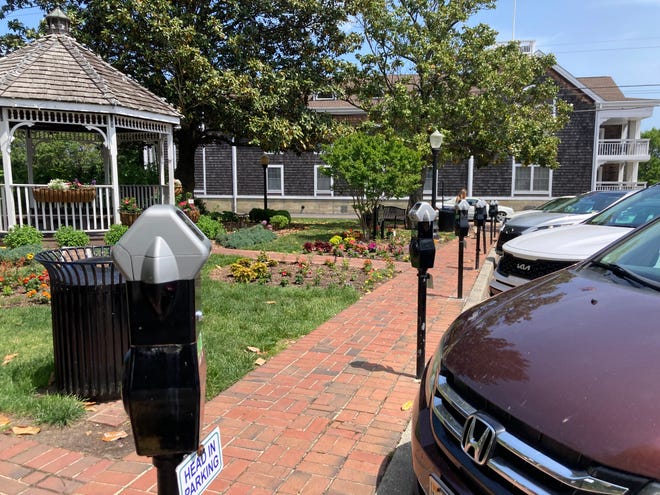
{"x": 392, "y": 214}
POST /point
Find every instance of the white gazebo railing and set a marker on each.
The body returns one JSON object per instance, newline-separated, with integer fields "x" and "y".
{"x": 92, "y": 215}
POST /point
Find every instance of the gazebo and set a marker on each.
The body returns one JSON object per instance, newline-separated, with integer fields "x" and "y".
{"x": 55, "y": 88}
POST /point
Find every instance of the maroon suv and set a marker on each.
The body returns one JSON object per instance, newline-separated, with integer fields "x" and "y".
{"x": 552, "y": 387}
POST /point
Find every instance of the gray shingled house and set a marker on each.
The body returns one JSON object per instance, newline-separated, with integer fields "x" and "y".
{"x": 600, "y": 148}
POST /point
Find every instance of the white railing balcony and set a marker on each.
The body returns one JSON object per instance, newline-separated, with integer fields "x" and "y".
{"x": 93, "y": 215}
{"x": 619, "y": 186}
{"x": 624, "y": 149}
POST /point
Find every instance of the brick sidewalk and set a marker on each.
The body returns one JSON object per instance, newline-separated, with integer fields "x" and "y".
{"x": 321, "y": 417}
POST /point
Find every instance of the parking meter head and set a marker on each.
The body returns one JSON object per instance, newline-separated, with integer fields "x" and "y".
{"x": 158, "y": 228}
{"x": 421, "y": 212}
{"x": 480, "y": 213}
{"x": 422, "y": 245}
{"x": 492, "y": 209}
{"x": 163, "y": 389}
{"x": 463, "y": 223}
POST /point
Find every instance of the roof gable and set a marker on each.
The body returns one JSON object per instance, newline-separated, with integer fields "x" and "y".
{"x": 56, "y": 68}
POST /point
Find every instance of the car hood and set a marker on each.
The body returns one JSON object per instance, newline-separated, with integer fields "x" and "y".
{"x": 537, "y": 218}
{"x": 576, "y": 359}
{"x": 570, "y": 243}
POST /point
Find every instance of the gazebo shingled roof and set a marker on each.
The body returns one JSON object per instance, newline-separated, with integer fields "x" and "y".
{"x": 57, "y": 68}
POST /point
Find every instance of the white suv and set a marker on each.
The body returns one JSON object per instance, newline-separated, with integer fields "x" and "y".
{"x": 536, "y": 254}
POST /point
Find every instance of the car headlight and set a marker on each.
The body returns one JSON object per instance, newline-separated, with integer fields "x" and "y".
{"x": 650, "y": 489}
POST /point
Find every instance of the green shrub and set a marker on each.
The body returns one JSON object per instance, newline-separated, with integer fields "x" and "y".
{"x": 246, "y": 238}
{"x": 279, "y": 221}
{"x": 247, "y": 270}
{"x": 284, "y": 213}
{"x": 114, "y": 233}
{"x": 228, "y": 216}
{"x": 258, "y": 215}
{"x": 19, "y": 252}
{"x": 24, "y": 235}
{"x": 209, "y": 226}
{"x": 68, "y": 236}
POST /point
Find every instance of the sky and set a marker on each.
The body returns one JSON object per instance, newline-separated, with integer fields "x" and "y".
{"x": 616, "y": 38}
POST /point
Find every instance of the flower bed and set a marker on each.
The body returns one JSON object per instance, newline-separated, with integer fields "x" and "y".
{"x": 23, "y": 282}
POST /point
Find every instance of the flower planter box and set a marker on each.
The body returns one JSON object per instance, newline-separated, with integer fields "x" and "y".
{"x": 192, "y": 214}
{"x": 128, "y": 218}
{"x": 47, "y": 195}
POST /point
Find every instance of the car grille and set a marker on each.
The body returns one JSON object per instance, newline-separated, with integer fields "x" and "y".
{"x": 529, "y": 269}
{"x": 513, "y": 461}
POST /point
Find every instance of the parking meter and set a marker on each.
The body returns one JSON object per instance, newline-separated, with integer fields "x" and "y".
{"x": 480, "y": 213}
{"x": 492, "y": 214}
{"x": 492, "y": 209}
{"x": 422, "y": 247}
{"x": 463, "y": 225}
{"x": 422, "y": 255}
{"x": 164, "y": 381}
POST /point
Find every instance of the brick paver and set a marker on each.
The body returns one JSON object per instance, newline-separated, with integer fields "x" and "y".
{"x": 321, "y": 417}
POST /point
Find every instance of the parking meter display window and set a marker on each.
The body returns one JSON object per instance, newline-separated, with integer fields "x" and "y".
{"x": 422, "y": 253}
{"x": 164, "y": 394}
{"x": 162, "y": 313}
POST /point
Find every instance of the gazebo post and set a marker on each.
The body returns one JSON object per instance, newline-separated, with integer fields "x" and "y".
{"x": 112, "y": 142}
{"x": 5, "y": 146}
{"x": 170, "y": 165}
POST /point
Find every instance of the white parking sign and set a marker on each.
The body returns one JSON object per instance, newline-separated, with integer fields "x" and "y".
{"x": 196, "y": 472}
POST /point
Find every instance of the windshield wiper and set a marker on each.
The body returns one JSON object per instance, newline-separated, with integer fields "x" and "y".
{"x": 622, "y": 272}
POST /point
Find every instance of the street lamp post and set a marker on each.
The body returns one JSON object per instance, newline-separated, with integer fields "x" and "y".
{"x": 264, "y": 160}
{"x": 436, "y": 142}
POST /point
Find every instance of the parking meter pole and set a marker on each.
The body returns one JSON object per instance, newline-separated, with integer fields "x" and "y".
{"x": 478, "y": 244}
{"x": 166, "y": 473}
{"x": 422, "y": 257}
{"x": 461, "y": 243}
{"x": 422, "y": 279}
{"x": 462, "y": 228}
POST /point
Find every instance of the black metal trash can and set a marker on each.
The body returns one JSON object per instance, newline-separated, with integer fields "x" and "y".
{"x": 446, "y": 216}
{"x": 90, "y": 321}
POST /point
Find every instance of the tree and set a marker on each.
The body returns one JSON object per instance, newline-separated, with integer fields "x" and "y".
{"x": 373, "y": 168}
{"x": 649, "y": 172}
{"x": 425, "y": 68}
{"x": 235, "y": 70}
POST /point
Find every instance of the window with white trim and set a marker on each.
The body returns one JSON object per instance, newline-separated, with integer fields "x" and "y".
{"x": 275, "y": 179}
{"x": 322, "y": 182}
{"x": 531, "y": 179}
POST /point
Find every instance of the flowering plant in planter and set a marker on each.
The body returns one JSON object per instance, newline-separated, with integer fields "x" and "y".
{"x": 64, "y": 185}
{"x": 129, "y": 205}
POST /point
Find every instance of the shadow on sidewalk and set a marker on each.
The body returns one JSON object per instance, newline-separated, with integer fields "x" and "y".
{"x": 367, "y": 366}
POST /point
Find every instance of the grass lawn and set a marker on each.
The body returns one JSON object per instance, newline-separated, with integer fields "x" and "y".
{"x": 236, "y": 316}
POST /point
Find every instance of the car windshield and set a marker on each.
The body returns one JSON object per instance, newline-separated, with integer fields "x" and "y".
{"x": 590, "y": 202}
{"x": 632, "y": 211}
{"x": 554, "y": 204}
{"x": 637, "y": 258}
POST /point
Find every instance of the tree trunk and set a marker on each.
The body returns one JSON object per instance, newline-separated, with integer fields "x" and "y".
{"x": 188, "y": 140}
